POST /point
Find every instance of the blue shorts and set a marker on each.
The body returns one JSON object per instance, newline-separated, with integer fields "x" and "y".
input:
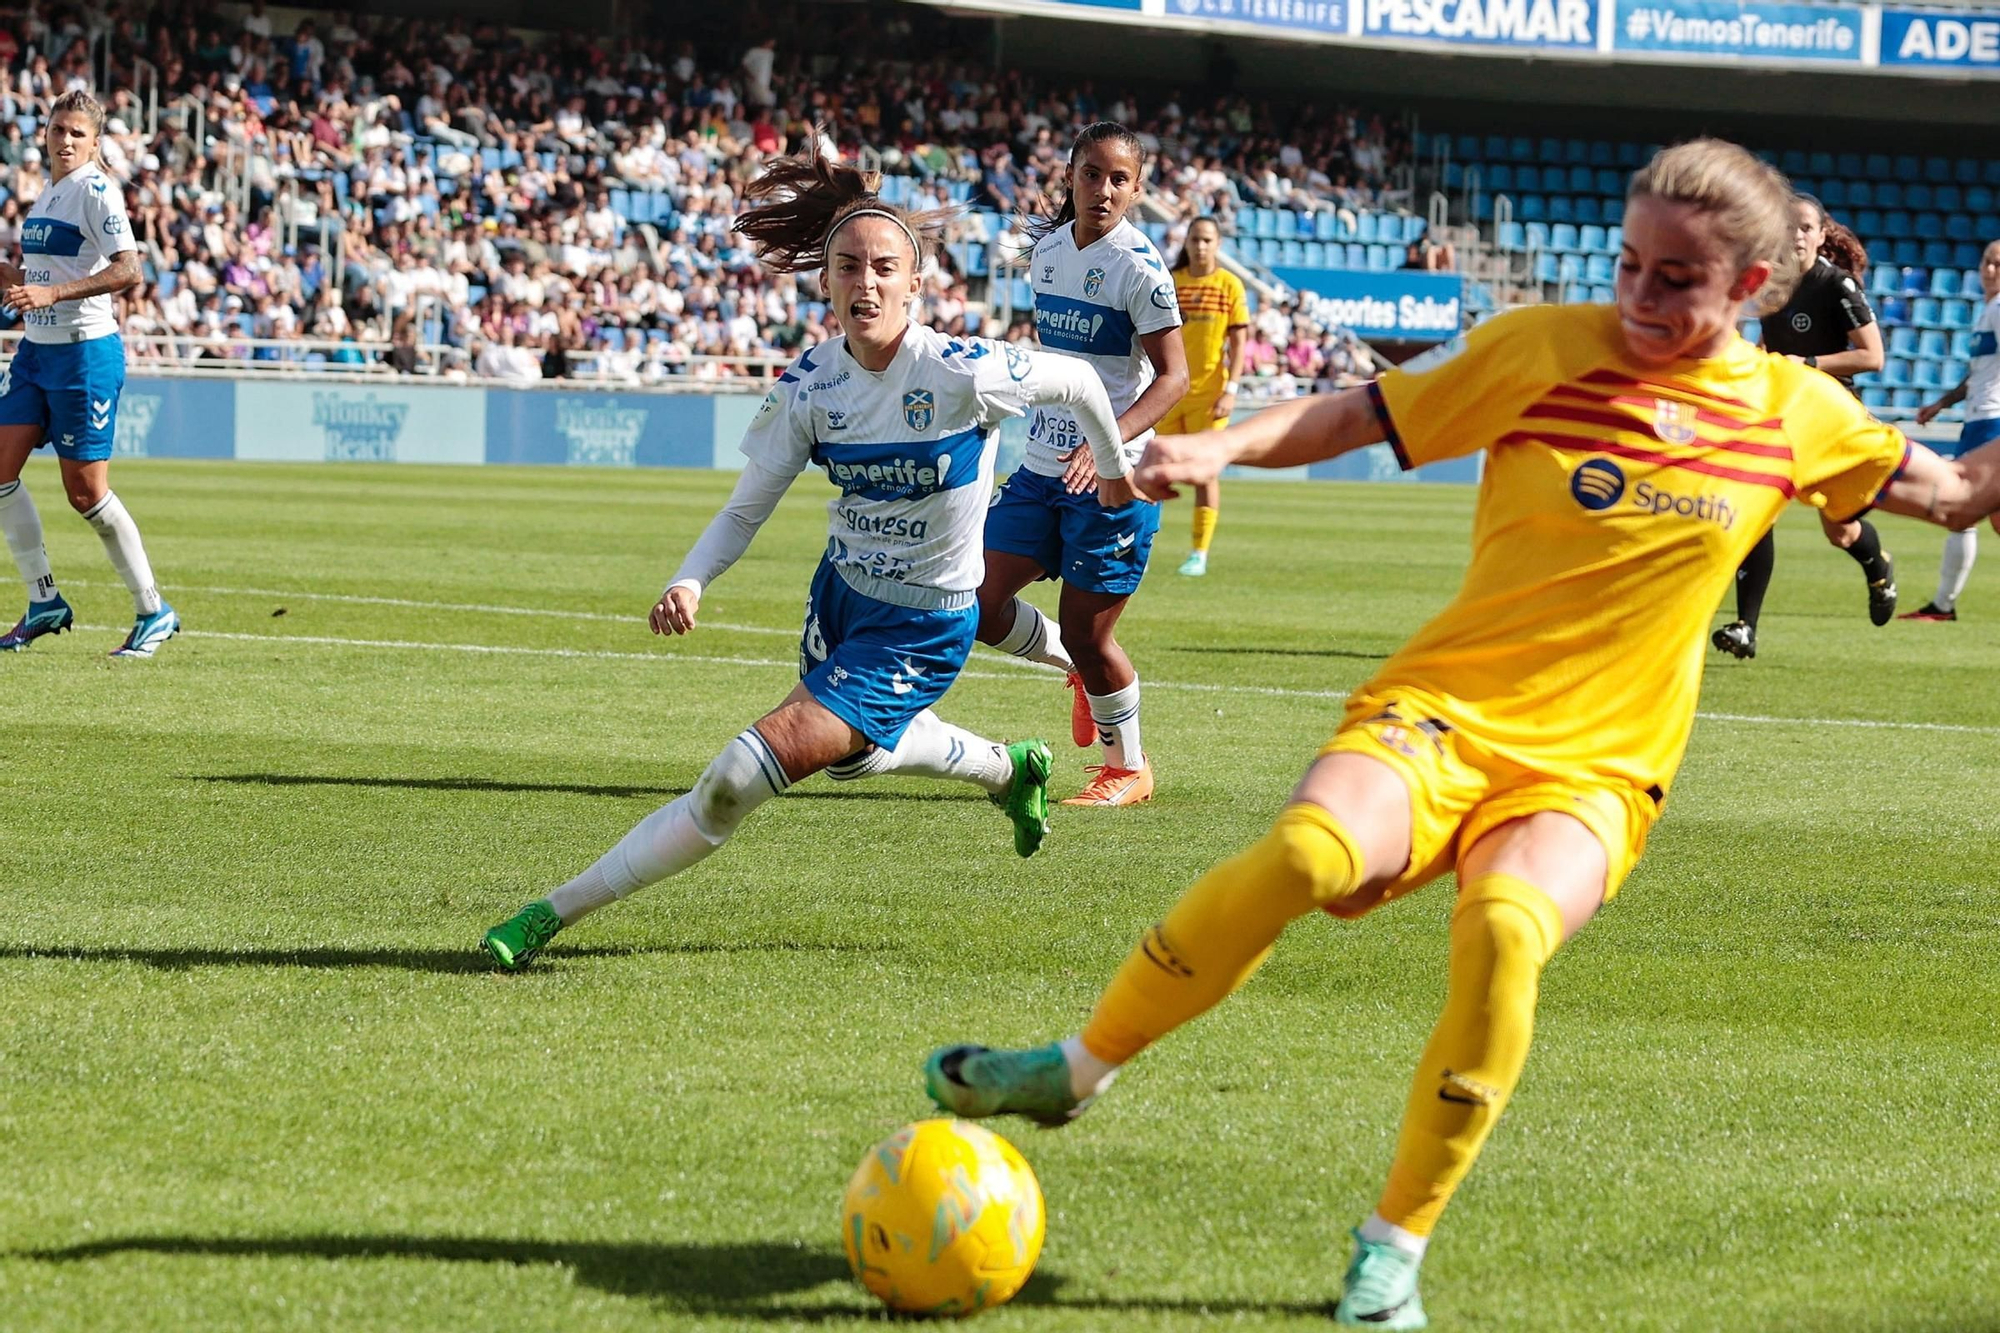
{"x": 70, "y": 390}
{"x": 1971, "y": 437}
{"x": 874, "y": 665}
{"x": 1072, "y": 537}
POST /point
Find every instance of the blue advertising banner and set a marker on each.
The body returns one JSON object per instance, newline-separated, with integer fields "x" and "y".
{"x": 176, "y": 418}
{"x": 600, "y": 429}
{"x": 1749, "y": 30}
{"x": 1918, "y": 37}
{"x": 1397, "y": 306}
{"x": 1550, "y": 24}
{"x": 1310, "y": 16}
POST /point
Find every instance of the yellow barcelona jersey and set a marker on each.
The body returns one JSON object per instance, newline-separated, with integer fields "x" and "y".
{"x": 1616, "y": 504}
{"x": 1210, "y": 307}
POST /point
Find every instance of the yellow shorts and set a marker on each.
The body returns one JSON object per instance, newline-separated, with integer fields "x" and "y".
{"x": 1460, "y": 791}
{"x": 1192, "y": 415}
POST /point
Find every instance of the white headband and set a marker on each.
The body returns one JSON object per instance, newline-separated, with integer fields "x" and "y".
{"x": 826, "y": 251}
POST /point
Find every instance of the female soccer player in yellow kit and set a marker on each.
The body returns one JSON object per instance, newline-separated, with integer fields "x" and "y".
{"x": 1527, "y": 736}
{"x": 1215, "y": 328}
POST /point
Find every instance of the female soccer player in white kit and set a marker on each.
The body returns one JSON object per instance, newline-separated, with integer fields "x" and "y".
{"x": 62, "y": 388}
{"x": 1980, "y": 392}
{"x": 905, "y": 423}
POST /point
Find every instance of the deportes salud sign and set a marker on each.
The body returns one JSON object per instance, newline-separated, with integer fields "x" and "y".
{"x": 1398, "y": 306}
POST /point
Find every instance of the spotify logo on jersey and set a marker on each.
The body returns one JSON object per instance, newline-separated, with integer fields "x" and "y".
{"x": 1597, "y": 483}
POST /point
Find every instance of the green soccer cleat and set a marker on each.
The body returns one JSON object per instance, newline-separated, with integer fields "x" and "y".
{"x": 1196, "y": 565}
{"x": 514, "y": 942}
{"x": 974, "y": 1083}
{"x": 1027, "y": 800}
{"x": 1381, "y": 1289}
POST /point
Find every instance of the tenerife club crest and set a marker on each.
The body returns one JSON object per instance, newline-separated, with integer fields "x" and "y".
{"x": 918, "y": 409}
{"x": 1673, "y": 422}
{"x": 1093, "y": 282}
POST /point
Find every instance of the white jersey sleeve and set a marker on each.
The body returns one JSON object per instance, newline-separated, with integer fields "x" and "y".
{"x": 1982, "y": 378}
{"x": 1149, "y": 296}
{"x": 104, "y": 218}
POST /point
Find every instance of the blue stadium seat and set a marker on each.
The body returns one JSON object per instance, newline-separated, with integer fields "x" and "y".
{"x": 1582, "y": 180}
{"x": 1926, "y": 312}
{"x": 1315, "y": 256}
{"x": 1549, "y": 152}
{"x": 1454, "y": 175}
{"x": 613, "y": 336}
{"x": 1630, "y": 155}
{"x": 1875, "y": 400}
{"x": 1954, "y": 315}
{"x": 1906, "y": 253}
{"x": 1969, "y": 284}
{"x": 1382, "y": 257}
{"x": 1965, "y": 254}
{"x": 1465, "y": 148}
{"x": 1947, "y": 199}
{"x": 1821, "y": 164}
{"x": 1521, "y": 149}
{"x": 1576, "y": 152}
{"x": 1933, "y": 344}
{"x": 1496, "y": 149}
{"x": 1532, "y": 207}
{"x": 1896, "y": 224}
{"x": 1892, "y": 311}
{"x": 1545, "y": 267}
{"x": 1603, "y": 295}
{"x": 1884, "y": 280}
{"x": 1354, "y": 255}
{"x": 1327, "y": 226}
{"x": 1609, "y": 184}
{"x": 1288, "y": 224}
{"x": 1915, "y": 282}
{"x": 1265, "y": 223}
{"x": 1832, "y": 193}
{"x": 1877, "y": 167}
{"x": 1944, "y": 282}
{"x": 1792, "y": 162}
{"x": 1562, "y": 236}
{"x": 1512, "y": 236}
{"x": 1537, "y": 235}
{"x": 1896, "y": 372}
{"x": 1917, "y": 197}
{"x": 1868, "y": 222}
{"x": 1958, "y": 227}
{"x": 1979, "y": 199}
{"x": 1907, "y": 168}
{"x": 1966, "y": 171}
{"x": 1590, "y": 210}
{"x": 1482, "y": 208}
{"x": 1590, "y": 240}
{"x": 1292, "y": 254}
{"x": 1500, "y": 178}
{"x": 1902, "y": 341}
{"x": 1599, "y": 270}
{"x": 1906, "y": 400}
{"x": 1601, "y": 154}
{"x": 1560, "y": 209}
{"x": 1937, "y": 170}
{"x": 1614, "y": 239}
{"x": 1955, "y": 370}
{"x": 1961, "y": 344}
{"x": 1939, "y": 254}
{"x": 1528, "y": 179}
{"x": 1929, "y": 375}
{"x": 1570, "y": 267}
{"x": 1860, "y": 194}
{"x": 1929, "y": 226}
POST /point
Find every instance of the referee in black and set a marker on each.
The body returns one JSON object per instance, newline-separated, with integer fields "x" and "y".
{"x": 1828, "y": 324}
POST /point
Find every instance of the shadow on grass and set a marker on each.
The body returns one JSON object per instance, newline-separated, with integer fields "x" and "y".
{"x": 554, "y": 788}
{"x": 745, "y": 1280}
{"x": 466, "y": 961}
{"x": 1218, "y": 650}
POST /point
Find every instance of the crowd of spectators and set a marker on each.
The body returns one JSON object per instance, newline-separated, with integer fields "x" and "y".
{"x": 371, "y": 188}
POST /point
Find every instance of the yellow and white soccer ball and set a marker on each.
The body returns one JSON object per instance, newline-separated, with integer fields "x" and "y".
{"x": 942, "y": 1218}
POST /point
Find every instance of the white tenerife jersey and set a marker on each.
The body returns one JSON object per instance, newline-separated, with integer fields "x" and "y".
{"x": 911, "y": 451}
{"x": 1094, "y": 304}
{"x": 76, "y": 227}
{"x": 1982, "y": 380}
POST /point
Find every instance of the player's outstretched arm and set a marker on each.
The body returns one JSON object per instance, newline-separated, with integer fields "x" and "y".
{"x": 1066, "y": 382}
{"x": 1305, "y": 430}
{"x": 721, "y": 544}
{"x": 1952, "y": 493}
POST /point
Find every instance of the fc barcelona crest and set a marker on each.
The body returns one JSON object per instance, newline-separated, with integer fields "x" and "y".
{"x": 1673, "y": 422}
{"x": 1093, "y": 282}
{"x": 918, "y": 409}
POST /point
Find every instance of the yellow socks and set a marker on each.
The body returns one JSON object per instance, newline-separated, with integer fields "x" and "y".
{"x": 1204, "y": 525}
{"x": 1503, "y": 932}
{"x": 1221, "y": 929}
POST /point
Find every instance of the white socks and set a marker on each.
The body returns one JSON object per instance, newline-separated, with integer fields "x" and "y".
{"x": 744, "y": 776}
{"x": 1035, "y": 638}
{"x": 23, "y": 527}
{"x": 1117, "y": 718}
{"x": 120, "y": 536}
{"x": 933, "y": 748}
{"x": 1088, "y": 1075}
{"x": 1960, "y": 550}
{"x": 1378, "y": 1230}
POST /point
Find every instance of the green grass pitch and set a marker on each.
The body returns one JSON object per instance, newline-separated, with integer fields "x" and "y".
{"x": 252, "y": 1074}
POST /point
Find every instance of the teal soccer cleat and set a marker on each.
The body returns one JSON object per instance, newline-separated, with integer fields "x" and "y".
{"x": 149, "y": 632}
{"x": 974, "y": 1082}
{"x": 50, "y": 617}
{"x": 1381, "y": 1290}
{"x": 514, "y": 943}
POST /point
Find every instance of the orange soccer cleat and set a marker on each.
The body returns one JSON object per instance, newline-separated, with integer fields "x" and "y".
{"x": 1082, "y": 726}
{"x": 1116, "y": 786}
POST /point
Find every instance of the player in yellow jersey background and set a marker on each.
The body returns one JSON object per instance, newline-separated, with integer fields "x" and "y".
{"x": 1215, "y": 328}
{"x": 1527, "y": 737}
